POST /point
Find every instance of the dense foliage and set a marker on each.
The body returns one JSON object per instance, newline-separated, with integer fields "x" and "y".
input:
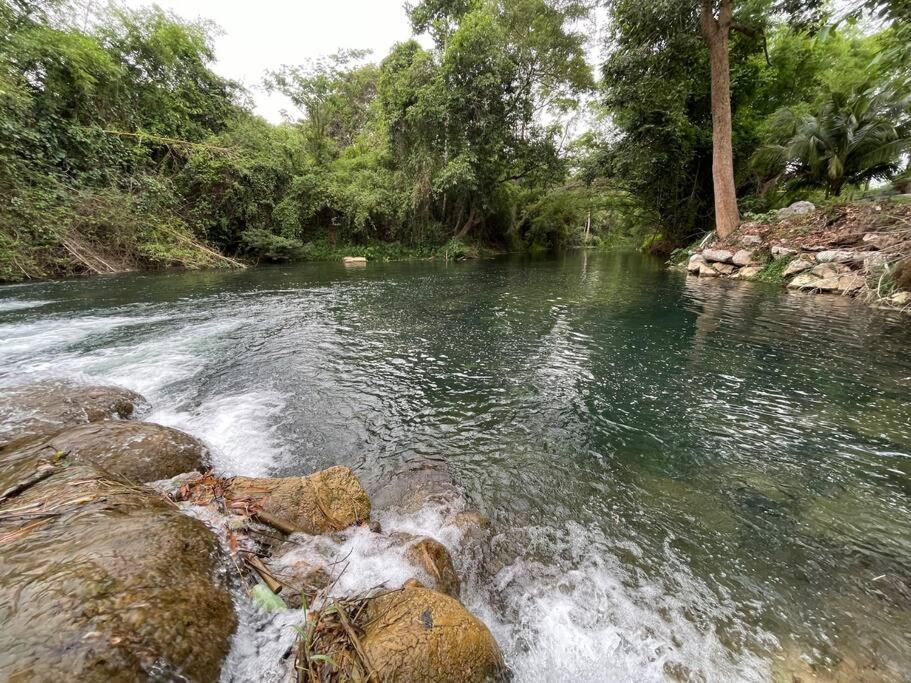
{"x": 121, "y": 147}
{"x": 788, "y": 60}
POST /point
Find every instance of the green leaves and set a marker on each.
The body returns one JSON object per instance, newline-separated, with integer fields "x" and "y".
{"x": 852, "y": 138}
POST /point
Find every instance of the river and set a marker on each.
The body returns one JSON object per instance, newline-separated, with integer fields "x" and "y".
{"x": 687, "y": 479}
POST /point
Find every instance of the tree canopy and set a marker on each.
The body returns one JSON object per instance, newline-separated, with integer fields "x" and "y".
{"x": 119, "y": 139}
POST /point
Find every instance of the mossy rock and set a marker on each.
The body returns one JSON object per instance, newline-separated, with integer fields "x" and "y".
{"x": 104, "y": 581}
{"x": 325, "y": 501}
{"x": 47, "y": 407}
{"x": 138, "y": 451}
{"x": 419, "y": 635}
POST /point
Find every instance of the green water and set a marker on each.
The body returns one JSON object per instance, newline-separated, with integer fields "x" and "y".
{"x": 688, "y": 480}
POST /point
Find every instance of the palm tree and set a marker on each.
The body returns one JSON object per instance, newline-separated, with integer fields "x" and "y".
{"x": 852, "y": 139}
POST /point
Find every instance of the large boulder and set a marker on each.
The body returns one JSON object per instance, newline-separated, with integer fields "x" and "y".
{"x": 47, "y": 407}
{"x": 419, "y": 635}
{"x": 796, "y": 209}
{"x": 104, "y": 581}
{"x": 138, "y": 451}
{"x": 717, "y": 255}
{"x": 325, "y": 501}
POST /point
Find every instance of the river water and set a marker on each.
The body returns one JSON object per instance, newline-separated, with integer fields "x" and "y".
{"x": 687, "y": 479}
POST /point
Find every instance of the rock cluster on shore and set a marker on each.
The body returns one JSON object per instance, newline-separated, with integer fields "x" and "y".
{"x": 105, "y": 578}
{"x": 859, "y": 252}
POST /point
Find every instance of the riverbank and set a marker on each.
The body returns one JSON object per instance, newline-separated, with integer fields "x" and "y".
{"x": 155, "y": 556}
{"x": 76, "y": 255}
{"x": 860, "y": 250}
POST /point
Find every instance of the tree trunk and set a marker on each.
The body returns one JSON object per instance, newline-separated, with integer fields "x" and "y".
{"x": 469, "y": 224}
{"x": 716, "y": 32}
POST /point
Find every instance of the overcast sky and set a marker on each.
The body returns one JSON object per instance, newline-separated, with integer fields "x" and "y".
{"x": 263, "y": 34}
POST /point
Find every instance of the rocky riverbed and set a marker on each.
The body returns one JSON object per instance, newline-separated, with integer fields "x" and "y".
{"x": 123, "y": 558}
{"x": 858, "y": 250}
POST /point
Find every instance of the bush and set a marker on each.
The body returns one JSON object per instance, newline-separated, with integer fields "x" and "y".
{"x": 263, "y": 245}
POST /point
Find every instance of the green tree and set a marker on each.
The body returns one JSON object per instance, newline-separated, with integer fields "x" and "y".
{"x": 851, "y": 139}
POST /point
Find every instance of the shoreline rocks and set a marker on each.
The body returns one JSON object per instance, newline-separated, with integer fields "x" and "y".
{"x": 851, "y": 250}
{"x": 102, "y": 578}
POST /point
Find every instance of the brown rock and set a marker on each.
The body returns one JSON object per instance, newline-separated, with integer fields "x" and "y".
{"x": 47, "y": 407}
{"x": 804, "y": 281}
{"x": 418, "y": 635}
{"x": 329, "y": 500}
{"x": 749, "y": 272}
{"x": 705, "y": 270}
{"x": 693, "y": 264}
{"x": 724, "y": 268}
{"x": 434, "y": 559}
{"x": 103, "y": 581}
{"x": 139, "y": 451}
{"x": 743, "y": 258}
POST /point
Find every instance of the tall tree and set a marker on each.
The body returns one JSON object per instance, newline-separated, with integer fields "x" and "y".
{"x": 715, "y": 20}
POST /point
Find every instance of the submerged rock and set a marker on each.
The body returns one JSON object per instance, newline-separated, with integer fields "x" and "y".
{"x": 47, "y": 407}
{"x": 417, "y": 485}
{"x": 104, "y": 581}
{"x": 329, "y": 500}
{"x": 139, "y": 451}
{"x": 416, "y": 634}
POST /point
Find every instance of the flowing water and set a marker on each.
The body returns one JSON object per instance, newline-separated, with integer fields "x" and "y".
{"x": 687, "y": 480}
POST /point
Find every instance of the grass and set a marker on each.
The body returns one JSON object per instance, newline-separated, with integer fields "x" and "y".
{"x": 773, "y": 271}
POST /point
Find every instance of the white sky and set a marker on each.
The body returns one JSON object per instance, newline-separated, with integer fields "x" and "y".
{"x": 264, "y": 34}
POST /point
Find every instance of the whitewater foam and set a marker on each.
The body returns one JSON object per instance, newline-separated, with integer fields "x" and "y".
{"x": 21, "y": 304}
